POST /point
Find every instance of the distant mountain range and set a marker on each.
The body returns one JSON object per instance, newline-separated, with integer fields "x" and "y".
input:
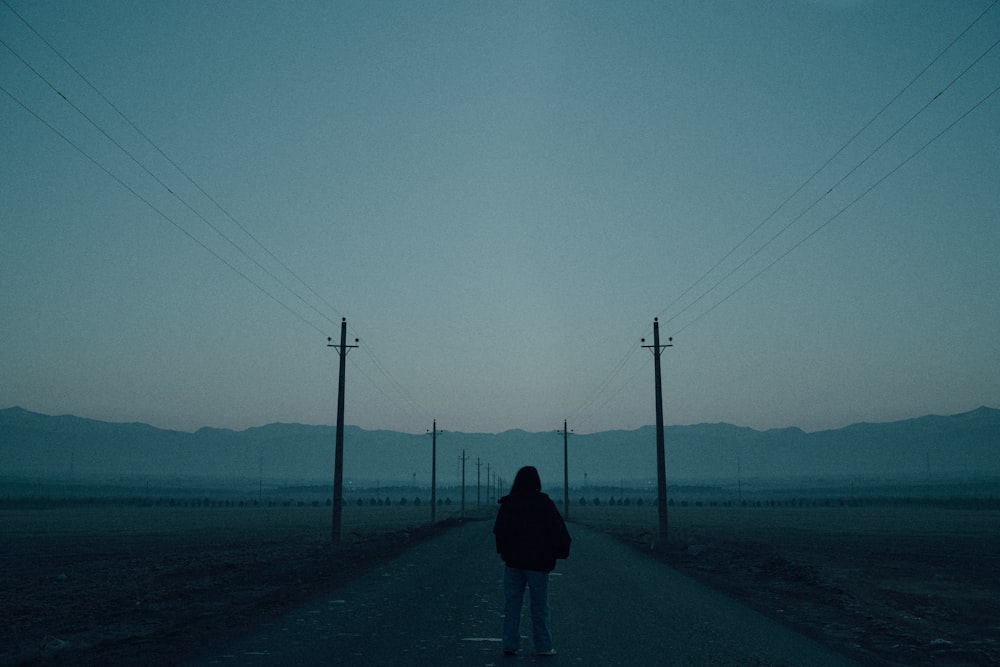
{"x": 67, "y": 447}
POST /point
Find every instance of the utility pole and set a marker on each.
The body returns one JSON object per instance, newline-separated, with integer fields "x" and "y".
{"x": 338, "y": 457}
{"x": 739, "y": 480}
{"x": 434, "y": 465}
{"x": 565, "y": 434}
{"x": 478, "y": 468}
{"x": 489, "y": 487}
{"x": 661, "y": 473}
{"x": 463, "y": 483}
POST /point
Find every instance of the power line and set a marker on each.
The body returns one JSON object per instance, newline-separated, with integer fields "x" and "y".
{"x": 403, "y": 396}
{"x": 395, "y": 384}
{"x": 587, "y": 405}
{"x": 878, "y": 114}
{"x": 614, "y": 393}
{"x": 849, "y": 205}
{"x": 156, "y": 178}
{"x": 175, "y": 165}
{"x": 155, "y": 209}
{"x": 243, "y": 275}
{"x": 840, "y": 181}
{"x": 592, "y": 400}
{"x": 392, "y": 382}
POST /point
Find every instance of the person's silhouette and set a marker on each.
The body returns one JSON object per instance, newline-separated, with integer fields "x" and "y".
{"x": 530, "y": 536}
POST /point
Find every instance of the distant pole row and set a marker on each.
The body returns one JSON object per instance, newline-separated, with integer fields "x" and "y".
{"x": 462, "y": 460}
{"x": 338, "y": 466}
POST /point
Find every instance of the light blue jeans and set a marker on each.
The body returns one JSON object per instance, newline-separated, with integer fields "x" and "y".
{"x": 514, "y": 581}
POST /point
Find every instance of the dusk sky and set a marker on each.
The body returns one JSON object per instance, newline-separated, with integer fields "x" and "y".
{"x": 500, "y": 197}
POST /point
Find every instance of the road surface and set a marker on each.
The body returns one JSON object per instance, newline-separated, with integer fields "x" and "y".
{"x": 441, "y": 603}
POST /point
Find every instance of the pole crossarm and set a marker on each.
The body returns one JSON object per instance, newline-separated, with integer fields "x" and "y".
{"x": 656, "y": 348}
{"x": 342, "y": 349}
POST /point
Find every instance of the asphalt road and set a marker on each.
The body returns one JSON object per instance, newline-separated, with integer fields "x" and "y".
{"x": 441, "y": 603}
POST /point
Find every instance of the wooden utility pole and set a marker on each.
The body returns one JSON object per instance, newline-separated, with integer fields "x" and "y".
{"x": 661, "y": 473}
{"x": 565, "y": 434}
{"x": 338, "y": 456}
{"x": 479, "y": 466}
{"x": 463, "y": 483}
{"x": 434, "y": 465}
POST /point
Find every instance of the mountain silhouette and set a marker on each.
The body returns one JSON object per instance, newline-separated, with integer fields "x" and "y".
{"x": 34, "y": 445}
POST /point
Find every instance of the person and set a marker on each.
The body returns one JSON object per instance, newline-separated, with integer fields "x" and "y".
{"x": 530, "y": 536}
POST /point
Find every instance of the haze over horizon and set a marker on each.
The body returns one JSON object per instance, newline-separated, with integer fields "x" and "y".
{"x": 500, "y": 198}
{"x": 513, "y": 428}
{"x": 939, "y": 448}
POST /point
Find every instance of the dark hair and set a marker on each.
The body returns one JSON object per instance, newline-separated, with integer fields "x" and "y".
{"x": 526, "y": 480}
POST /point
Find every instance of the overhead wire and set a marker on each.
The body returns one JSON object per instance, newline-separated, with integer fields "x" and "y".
{"x": 154, "y": 208}
{"x": 379, "y": 365}
{"x": 156, "y": 178}
{"x": 850, "y": 204}
{"x": 591, "y": 401}
{"x": 612, "y": 394}
{"x": 878, "y": 114}
{"x": 170, "y": 160}
{"x": 843, "y": 178}
{"x": 403, "y": 394}
{"x": 851, "y": 171}
{"x": 379, "y": 389}
{"x": 608, "y": 379}
{"x": 607, "y": 382}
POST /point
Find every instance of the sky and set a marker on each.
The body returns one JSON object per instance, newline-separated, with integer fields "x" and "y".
{"x": 500, "y": 198}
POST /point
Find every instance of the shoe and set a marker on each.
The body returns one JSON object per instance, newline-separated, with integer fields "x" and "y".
{"x": 551, "y": 651}
{"x": 510, "y": 651}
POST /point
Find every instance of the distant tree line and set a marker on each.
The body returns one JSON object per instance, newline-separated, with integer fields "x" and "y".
{"x": 402, "y": 502}
{"x": 51, "y": 502}
{"x": 623, "y": 501}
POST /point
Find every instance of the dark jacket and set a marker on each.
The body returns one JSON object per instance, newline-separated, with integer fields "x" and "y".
{"x": 530, "y": 532}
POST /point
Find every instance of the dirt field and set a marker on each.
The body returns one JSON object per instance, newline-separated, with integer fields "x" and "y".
{"x": 108, "y": 584}
{"x": 892, "y": 583}
{"x": 888, "y": 584}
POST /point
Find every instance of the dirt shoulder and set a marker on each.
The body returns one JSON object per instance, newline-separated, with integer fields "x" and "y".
{"x": 883, "y": 600}
{"x": 157, "y": 602}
